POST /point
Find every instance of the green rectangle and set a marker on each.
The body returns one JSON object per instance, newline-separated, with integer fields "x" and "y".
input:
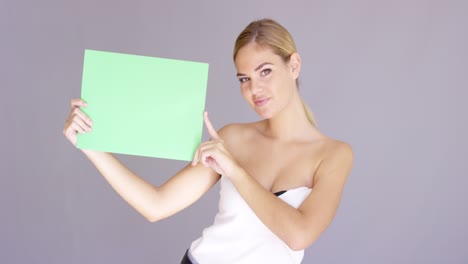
{"x": 142, "y": 105}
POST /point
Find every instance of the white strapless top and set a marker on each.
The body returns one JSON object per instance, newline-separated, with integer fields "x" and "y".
{"x": 237, "y": 236}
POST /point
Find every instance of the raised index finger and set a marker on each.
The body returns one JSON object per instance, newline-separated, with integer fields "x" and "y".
{"x": 209, "y": 126}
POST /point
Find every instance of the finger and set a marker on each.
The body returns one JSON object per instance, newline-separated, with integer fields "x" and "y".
{"x": 209, "y": 126}
{"x": 71, "y": 135}
{"x": 77, "y": 128}
{"x": 204, "y": 157}
{"x": 82, "y": 124}
{"x": 77, "y": 111}
{"x": 211, "y": 161}
{"x": 78, "y": 102}
{"x": 207, "y": 153}
{"x": 195, "y": 157}
{"x": 207, "y": 158}
{"x": 200, "y": 149}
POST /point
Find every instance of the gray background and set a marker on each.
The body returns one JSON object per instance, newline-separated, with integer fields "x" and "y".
{"x": 389, "y": 77}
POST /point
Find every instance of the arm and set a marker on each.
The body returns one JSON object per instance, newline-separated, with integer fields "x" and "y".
{"x": 299, "y": 228}
{"x": 153, "y": 202}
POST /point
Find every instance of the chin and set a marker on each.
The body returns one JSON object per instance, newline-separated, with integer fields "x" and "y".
{"x": 264, "y": 114}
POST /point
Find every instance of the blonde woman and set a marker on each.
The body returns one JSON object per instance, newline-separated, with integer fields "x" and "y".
{"x": 281, "y": 178}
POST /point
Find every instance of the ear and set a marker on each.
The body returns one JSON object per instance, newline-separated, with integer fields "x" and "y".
{"x": 295, "y": 64}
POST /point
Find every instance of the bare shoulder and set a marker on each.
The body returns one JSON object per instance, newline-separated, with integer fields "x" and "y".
{"x": 336, "y": 149}
{"x": 337, "y": 161}
{"x": 236, "y": 137}
{"x": 229, "y": 129}
{"x": 237, "y": 131}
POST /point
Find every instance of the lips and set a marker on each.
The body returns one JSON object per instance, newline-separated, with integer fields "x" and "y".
{"x": 261, "y": 102}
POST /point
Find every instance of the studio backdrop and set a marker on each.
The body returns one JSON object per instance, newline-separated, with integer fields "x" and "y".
{"x": 388, "y": 77}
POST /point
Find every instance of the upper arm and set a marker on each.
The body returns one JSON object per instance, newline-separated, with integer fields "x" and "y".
{"x": 320, "y": 206}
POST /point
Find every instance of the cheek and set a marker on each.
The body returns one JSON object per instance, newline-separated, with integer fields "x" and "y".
{"x": 272, "y": 84}
{"x": 245, "y": 92}
{"x": 282, "y": 83}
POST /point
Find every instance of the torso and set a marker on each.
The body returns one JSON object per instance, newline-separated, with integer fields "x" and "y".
{"x": 277, "y": 165}
{"x": 274, "y": 164}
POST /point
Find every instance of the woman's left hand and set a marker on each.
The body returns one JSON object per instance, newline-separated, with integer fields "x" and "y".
{"x": 214, "y": 154}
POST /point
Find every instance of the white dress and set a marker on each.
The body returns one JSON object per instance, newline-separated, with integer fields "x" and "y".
{"x": 237, "y": 236}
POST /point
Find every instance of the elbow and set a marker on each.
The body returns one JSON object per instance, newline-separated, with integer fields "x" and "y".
{"x": 302, "y": 240}
{"x": 153, "y": 217}
{"x": 298, "y": 244}
{"x": 155, "y": 213}
{"x": 305, "y": 234}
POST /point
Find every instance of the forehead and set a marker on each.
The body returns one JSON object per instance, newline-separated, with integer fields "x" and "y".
{"x": 252, "y": 55}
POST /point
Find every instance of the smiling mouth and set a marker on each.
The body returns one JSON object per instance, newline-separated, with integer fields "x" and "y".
{"x": 261, "y": 102}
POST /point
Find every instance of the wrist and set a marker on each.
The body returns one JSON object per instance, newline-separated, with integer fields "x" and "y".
{"x": 238, "y": 175}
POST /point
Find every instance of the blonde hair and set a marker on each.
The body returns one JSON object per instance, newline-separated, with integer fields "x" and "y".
{"x": 269, "y": 33}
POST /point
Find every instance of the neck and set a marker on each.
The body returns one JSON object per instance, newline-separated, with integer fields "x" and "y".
{"x": 291, "y": 123}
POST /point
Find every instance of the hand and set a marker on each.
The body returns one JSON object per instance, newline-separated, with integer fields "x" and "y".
{"x": 77, "y": 121}
{"x": 213, "y": 153}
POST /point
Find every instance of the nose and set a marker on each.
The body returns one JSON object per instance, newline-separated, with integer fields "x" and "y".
{"x": 255, "y": 86}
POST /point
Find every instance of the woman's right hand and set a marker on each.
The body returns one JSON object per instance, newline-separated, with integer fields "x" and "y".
{"x": 77, "y": 121}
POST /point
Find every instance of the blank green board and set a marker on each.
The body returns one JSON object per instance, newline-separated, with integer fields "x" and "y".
{"x": 143, "y": 106}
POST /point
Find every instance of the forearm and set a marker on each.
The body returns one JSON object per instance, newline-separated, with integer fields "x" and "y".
{"x": 140, "y": 194}
{"x": 285, "y": 221}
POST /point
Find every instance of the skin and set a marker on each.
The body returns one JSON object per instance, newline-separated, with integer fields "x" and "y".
{"x": 282, "y": 151}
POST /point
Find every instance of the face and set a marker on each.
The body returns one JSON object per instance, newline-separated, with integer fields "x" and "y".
{"x": 267, "y": 82}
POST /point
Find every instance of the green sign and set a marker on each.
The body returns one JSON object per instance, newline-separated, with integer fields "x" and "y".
{"x": 142, "y": 105}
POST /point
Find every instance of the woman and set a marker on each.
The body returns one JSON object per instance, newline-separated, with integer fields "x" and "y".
{"x": 268, "y": 212}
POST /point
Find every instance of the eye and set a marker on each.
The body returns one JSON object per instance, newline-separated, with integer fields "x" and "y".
{"x": 243, "y": 79}
{"x": 265, "y": 72}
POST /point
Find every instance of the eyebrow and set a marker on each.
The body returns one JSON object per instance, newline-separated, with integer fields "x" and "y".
{"x": 256, "y": 69}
